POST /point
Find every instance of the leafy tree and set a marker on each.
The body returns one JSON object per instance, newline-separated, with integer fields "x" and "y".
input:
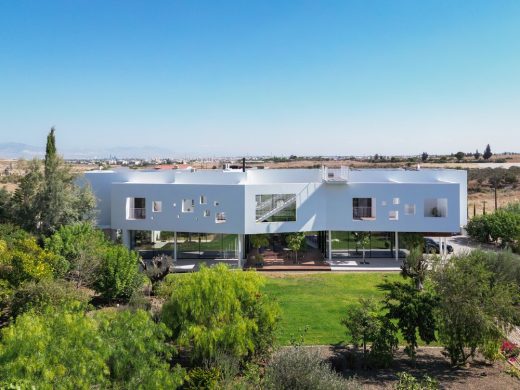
{"x": 474, "y": 307}
{"x": 459, "y": 156}
{"x": 119, "y": 273}
{"x": 25, "y": 201}
{"x": 218, "y": 310}
{"x": 414, "y": 311}
{"x": 487, "y": 153}
{"x": 415, "y": 266}
{"x": 259, "y": 240}
{"x": 361, "y": 322}
{"x": 48, "y": 293}
{"x": 477, "y": 155}
{"x": 412, "y": 240}
{"x": 83, "y": 247}
{"x": 295, "y": 242}
{"x": 5, "y": 206}
{"x": 363, "y": 240}
{"x": 424, "y": 157}
{"x": 46, "y": 200}
{"x": 501, "y": 227}
{"x": 365, "y": 325}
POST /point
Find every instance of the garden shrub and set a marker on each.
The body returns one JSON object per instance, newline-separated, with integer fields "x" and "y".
{"x": 119, "y": 274}
{"x": 409, "y": 382}
{"x": 300, "y": 368}
{"x": 219, "y": 310}
{"x": 48, "y": 293}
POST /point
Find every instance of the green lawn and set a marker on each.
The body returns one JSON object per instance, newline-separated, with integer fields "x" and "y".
{"x": 319, "y": 301}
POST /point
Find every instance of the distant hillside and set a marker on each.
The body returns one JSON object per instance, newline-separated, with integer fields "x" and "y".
{"x": 18, "y": 150}
{"x": 10, "y": 150}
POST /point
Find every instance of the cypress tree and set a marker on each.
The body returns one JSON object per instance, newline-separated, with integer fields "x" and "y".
{"x": 487, "y": 153}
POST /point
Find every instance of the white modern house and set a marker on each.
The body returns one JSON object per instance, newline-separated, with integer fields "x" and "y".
{"x": 221, "y": 208}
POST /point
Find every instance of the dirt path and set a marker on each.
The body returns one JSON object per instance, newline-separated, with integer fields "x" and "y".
{"x": 478, "y": 375}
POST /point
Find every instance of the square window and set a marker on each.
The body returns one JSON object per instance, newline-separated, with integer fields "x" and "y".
{"x": 220, "y": 218}
{"x": 395, "y": 201}
{"x": 393, "y": 215}
{"x": 436, "y": 208}
{"x": 364, "y": 208}
{"x": 409, "y": 209}
{"x": 157, "y": 206}
{"x": 135, "y": 208}
{"x": 188, "y": 205}
{"x": 383, "y": 203}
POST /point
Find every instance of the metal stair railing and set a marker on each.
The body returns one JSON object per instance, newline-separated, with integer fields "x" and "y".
{"x": 286, "y": 202}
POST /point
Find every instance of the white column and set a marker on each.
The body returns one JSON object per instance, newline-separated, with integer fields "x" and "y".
{"x": 396, "y": 246}
{"x": 240, "y": 249}
{"x": 155, "y": 235}
{"x": 329, "y": 239}
{"x": 175, "y": 246}
{"x": 441, "y": 250}
{"x": 125, "y": 237}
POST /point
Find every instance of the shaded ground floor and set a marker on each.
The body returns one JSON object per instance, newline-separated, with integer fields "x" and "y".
{"x": 321, "y": 250}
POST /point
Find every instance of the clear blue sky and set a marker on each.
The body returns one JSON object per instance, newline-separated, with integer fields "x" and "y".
{"x": 262, "y": 77}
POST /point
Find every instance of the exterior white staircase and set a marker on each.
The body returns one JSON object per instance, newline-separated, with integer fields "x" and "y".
{"x": 266, "y": 209}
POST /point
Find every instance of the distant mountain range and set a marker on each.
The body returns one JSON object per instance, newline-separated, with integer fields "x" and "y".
{"x": 19, "y": 150}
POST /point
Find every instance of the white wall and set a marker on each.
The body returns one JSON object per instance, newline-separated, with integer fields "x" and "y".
{"x": 320, "y": 206}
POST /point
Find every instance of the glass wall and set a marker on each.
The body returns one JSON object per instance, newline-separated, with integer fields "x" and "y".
{"x": 377, "y": 244}
{"x": 189, "y": 245}
{"x": 206, "y": 246}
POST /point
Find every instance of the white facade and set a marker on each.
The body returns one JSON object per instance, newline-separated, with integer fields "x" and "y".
{"x": 236, "y": 202}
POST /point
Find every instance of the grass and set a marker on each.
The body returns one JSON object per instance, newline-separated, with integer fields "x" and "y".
{"x": 319, "y": 301}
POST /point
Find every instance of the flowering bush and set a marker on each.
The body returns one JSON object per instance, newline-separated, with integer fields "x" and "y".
{"x": 510, "y": 350}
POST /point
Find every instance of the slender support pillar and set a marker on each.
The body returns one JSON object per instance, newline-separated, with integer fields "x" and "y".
{"x": 396, "y": 246}
{"x": 240, "y": 249}
{"x": 125, "y": 238}
{"x": 155, "y": 235}
{"x": 441, "y": 249}
{"x": 175, "y": 246}
{"x": 329, "y": 239}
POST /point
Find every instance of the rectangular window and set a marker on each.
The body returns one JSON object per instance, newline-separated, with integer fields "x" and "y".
{"x": 157, "y": 206}
{"x": 203, "y": 199}
{"x": 409, "y": 209}
{"x": 275, "y": 208}
{"x": 188, "y": 205}
{"x": 135, "y": 208}
{"x": 220, "y": 217}
{"x": 363, "y": 208}
{"x": 393, "y": 215}
{"x": 207, "y": 213}
{"x": 436, "y": 208}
